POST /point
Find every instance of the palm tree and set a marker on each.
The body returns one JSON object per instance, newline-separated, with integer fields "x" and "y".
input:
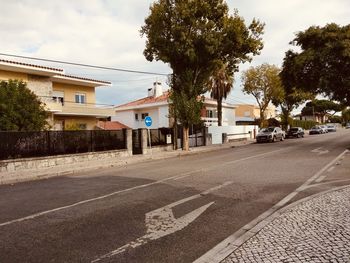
{"x": 220, "y": 85}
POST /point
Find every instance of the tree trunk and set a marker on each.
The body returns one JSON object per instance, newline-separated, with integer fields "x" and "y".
{"x": 219, "y": 107}
{"x": 262, "y": 119}
{"x": 175, "y": 135}
{"x": 186, "y": 146}
{"x": 285, "y": 116}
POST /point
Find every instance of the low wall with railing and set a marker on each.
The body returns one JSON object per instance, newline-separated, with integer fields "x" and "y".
{"x": 28, "y": 168}
{"x": 14, "y": 145}
{"x": 232, "y": 132}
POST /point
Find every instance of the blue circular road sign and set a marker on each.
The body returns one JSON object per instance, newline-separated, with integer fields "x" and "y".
{"x": 148, "y": 121}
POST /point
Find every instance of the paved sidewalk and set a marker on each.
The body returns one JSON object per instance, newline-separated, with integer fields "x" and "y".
{"x": 316, "y": 230}
{"x": 59, "y": 170}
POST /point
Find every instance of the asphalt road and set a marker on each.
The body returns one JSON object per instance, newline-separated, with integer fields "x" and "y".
{"x": 171, "y": 210}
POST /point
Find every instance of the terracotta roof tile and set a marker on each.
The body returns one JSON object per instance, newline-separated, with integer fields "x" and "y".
{"x": 111, "y": 125}
{"x": 82, "y": 78}
{"x": 147, "y": 100}
{"x": 29, "y": 65}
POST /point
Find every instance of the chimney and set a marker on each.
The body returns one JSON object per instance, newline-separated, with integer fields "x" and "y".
{"x": 157, "y": 87}
{"x": 150, "y": 92}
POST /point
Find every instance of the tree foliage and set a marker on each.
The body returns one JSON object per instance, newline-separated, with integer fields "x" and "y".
{"x": 293, "y": 96}
{"x": 220, "y": 84}
{"x": 264, "y": 83}
{"x": 346, "y": 115}
{"x": 194, "y": 38}
{"x": 20, "y": 108}
{"x": 323, "y": 65}
{"x": 322, "y": 107}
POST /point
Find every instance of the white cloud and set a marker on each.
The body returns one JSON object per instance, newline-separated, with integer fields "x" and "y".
{"x": 106, "y": 32}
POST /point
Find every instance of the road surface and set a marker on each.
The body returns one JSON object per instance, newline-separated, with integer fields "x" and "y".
{"x": 171, "y": 210}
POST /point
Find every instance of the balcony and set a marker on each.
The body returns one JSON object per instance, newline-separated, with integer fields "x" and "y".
{"x": 213, "y": 121}
{"x": 77, "y": 109}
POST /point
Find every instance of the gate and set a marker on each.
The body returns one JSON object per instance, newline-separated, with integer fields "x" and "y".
{"x": 136, "y": 142}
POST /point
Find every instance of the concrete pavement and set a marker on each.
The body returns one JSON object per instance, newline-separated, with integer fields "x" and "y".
{"x": 313, "y": 229}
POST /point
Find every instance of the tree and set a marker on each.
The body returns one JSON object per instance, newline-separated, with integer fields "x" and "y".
{"x": 323, "y": 65}
{"x": 264, "y": 83}
{"x": 293, "y": 96}
{"x": 322, "y": 107}
{"x": 20, "y": 108}
{"x": 194, "y": 37}
{"x": 220, "y": 85}
{"x": 346, "y": 115}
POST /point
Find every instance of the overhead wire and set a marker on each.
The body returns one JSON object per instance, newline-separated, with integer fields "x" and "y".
{"x": 87, "y": 65}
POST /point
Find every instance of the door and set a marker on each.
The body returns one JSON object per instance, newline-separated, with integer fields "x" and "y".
{"x": 136, "y": 142}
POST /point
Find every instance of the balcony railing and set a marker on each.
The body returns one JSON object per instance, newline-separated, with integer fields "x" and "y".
{"x": 81, "y": 109}
{"x": 213, "y": 121}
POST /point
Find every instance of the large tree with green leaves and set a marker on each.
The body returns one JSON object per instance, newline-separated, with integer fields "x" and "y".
{"x": 264, "y": 83}
{"x": 194, "y": 38}
{"x": 20, "y": 108}
{"x": 220, "y": 84}
{"x": 322, "y": 107}
{"x": 323, "y": 65}
{"x": 293, "y": 96}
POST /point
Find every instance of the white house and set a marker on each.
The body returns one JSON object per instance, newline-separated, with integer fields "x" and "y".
{"x": 156, "y": 105}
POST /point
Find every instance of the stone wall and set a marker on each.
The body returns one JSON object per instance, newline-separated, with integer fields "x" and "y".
{"x": 41, "y": 86}
{"x": 30, "y": 168}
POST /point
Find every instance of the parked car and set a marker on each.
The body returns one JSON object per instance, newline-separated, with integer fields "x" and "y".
{"x": 331, "y": 128}
{"x": 270, "y": 134}
{"x": 347, "y": 126}
{"x": 296, "y": 132}
{"x": 324, "y": 128}
{"x": 316, "y": 130}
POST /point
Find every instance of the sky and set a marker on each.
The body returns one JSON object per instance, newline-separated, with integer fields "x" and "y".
{"x": 106, "y": 33}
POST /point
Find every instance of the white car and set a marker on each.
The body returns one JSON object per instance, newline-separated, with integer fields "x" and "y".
{"x": 347, "y": 126}
{"x": 324, "y": 128}
{"x": 331, "y": 128}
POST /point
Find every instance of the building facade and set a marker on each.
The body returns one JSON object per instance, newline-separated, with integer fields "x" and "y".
{"x": 70, "y": 100}
{"x": 251, "y": 112}
{"x": 157, "y": 104}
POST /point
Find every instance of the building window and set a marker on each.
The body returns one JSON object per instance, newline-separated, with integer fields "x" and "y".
{"x": 144, "y": 115}
{"x": 82, "y": 126}
{"x": 209, "y": 114}
{"x": 136, "y": 116}
{"x": 80, "y": 98}
{"x": 58, "y": 97}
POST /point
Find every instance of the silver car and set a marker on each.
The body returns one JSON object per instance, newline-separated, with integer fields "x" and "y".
{"x": 324, "y": 128}
{"x": 331, "y": 128}
{"x": 270, "y": 134}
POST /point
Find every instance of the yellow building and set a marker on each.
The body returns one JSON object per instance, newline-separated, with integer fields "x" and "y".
{"x": 252, "y": 112}
{"x": 70, "y": 100}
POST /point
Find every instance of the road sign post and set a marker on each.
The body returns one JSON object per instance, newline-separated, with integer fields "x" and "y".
{"x": 148, "y": 123}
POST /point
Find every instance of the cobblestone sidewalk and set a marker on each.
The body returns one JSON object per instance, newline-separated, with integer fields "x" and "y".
{"x": 317, "y": 230}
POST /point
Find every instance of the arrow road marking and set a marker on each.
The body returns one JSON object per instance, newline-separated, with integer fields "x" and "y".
{"x": 162, "y": 222}
{"x": 320, "y": 151}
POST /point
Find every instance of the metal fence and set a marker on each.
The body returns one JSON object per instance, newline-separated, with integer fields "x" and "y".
{"x": 197, "y": 140}
{"x": 161, "y": 136}
{"x": 36, "y": 144}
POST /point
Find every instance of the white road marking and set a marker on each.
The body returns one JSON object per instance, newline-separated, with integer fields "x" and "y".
{"x": 320, "y": 151}
{"x": 320, "y": 179}
{"x": 331, "y": 169}
{"x": 226, "y": 163}
{"x": 175, "y": 177}
{"x": 162, "y": 222}
{"x": 231, "y": 243}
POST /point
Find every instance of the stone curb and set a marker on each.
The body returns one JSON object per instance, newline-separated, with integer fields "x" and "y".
{"x": 256, "y": 229}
